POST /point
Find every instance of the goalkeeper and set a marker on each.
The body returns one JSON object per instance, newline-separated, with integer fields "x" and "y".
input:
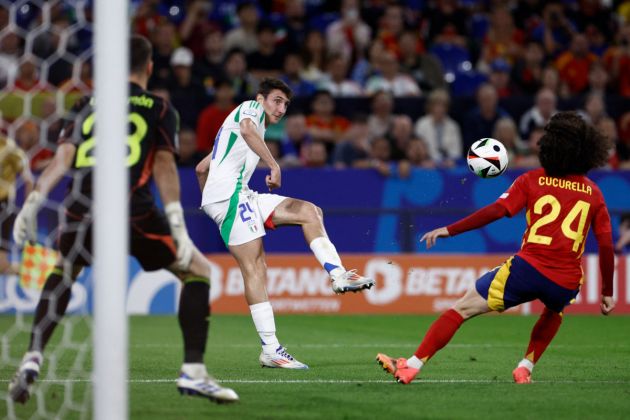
{"x": 156, "y": 240}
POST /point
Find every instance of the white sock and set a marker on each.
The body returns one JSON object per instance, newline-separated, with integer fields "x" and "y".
{"x": 526, "y": 363}
{"x": 194, "y": 370}
{"x": 326, "y": 254}
{"x": 262, "y": 314}
{"x": 414, "y": 362}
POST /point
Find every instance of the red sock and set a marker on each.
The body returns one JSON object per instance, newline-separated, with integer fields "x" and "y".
{"x": 544, "y": 331}
{"x": 439, "y": 334}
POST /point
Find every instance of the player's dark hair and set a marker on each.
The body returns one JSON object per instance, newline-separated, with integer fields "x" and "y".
{"x": 140, "y": 51}
{"x": 268, "y": 84}
{"x": 570, "y": 145}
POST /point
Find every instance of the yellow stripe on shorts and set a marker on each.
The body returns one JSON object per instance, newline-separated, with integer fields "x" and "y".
{"x": 497, "y": 287}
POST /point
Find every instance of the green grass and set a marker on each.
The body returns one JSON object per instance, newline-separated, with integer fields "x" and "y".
{"x": 584, "y": 374}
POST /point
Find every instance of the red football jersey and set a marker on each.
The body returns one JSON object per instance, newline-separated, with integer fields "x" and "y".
{"x": 560, "y": 212}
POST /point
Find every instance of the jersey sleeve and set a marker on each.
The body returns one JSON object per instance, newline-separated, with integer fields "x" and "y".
{"x": 250, "y": 110}
{"x": 71, "y": 123}
{"x": 601, "y": 218}
{"x": 167, "y": 129}
{"x": 515, "y": 198}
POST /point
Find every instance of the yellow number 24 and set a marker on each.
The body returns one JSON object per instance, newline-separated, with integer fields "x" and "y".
{"x": 86, "y": 159}
{"x": 580, "y": 209}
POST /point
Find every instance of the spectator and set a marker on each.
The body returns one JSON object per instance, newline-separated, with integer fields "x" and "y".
{"x": 267, "y": 60}
{"x": 423, "y": 66}
{"x": 503, "y": 40}
{"x": 187, "y": 95}
{"x": 554, "y": 32}
{"x": 392, "y": 24}
{"x": 598, "y": 80}
{"x": 81, "y": 80}
{"x": 391, "y": 79}
{"x": 574, "y": 65}
{"x": 382, "y": 115}
{"x": 551, "y": 80}
{"x": 440, "y": 133}
{"x": 27, "y": 136}
{"x": 195, "y": 27}
{"x": 479, "y": 122}
{"x": 188, "y": 155}
{"x": 323, "y": 124}
{"x": 447, "y": 23}
{"x": 506, "y": 132}
{"x": 208, "y": 68}
{"x": 538, "y": 116}
{"x": 295, "y": 25}
{"x": 296, "y": 136}
{"x": 315, "y": 154}
{"x": 399, "y": 135}
{"x": 529, "y": 159}
{"x": 10, "y": 52}
{"x": 244, "y": 36}
{"x": 617, "y": 60}
{"x": 292, "y": 76}
{"x": 354, "y": 150}
{"x": 28, "y": 77}
{"x": 416, "y": 156}
{"x": 314, "y": 57}
{"x": 366, "y": 66}
{"x": 623, "y": 144}
{"x": 235, "y": 68}
{"x": 336, "y": 80}
{"x": 500, "y": 78}
{"x": 347, "y": 35}
{"x": 608, "y": 128}
{"x": 594, "y": 108}
{"x": 381, "y": 156}
{"x": 211, "y": 117}
{"x": 163, "y": 38}
{"x": 528, "y": 71}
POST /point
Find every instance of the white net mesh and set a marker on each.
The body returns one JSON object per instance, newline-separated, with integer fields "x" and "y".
{"x": 45, "y": 66}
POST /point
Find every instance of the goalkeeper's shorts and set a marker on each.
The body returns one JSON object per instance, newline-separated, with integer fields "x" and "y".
{"x": 150, "y": 240}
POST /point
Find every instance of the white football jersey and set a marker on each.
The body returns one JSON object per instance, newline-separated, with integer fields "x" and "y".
{"x": 233, "y": 162}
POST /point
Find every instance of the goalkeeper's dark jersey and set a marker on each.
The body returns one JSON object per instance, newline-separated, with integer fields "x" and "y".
{"x": 152, "y": 125}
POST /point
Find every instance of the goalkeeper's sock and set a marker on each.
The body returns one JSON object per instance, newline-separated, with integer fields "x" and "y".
{"x": 51, "y": 307}
{"x": 543, "y": 332}
{"x": 327, "y": 255}
{"x": 439, "y": 334}
{"x": 262, "y": 314}
{"x": 194, "y": 317}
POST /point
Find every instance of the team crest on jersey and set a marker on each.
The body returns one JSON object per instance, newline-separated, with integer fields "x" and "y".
{"x": 253, "y": 226}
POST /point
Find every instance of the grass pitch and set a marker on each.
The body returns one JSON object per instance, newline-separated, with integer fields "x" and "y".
{"x": 584, "y": 374}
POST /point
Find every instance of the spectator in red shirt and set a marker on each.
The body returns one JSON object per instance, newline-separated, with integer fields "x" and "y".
{"x": 213, "y": 115}
{"x": 574, "y": 65}
{"x": 323, "y": 124}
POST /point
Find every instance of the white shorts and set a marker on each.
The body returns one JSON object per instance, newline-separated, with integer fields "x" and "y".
{"x": 243, "y": 221}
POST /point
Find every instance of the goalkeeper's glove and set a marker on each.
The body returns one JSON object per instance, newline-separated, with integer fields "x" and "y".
{"x": 185, "y": 247}
{"x": 25, "y": 226}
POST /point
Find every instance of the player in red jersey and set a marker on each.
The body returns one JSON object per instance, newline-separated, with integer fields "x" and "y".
{"x": 562, "y": 205}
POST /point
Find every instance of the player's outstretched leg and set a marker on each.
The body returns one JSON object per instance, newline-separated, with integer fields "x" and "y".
{"x": 51, "y": 307}
{"x": 543, "y": 332}
{"x": 298, "y": 212}
{"x": 439, "y": 334}
{"x": 194, "y": 316}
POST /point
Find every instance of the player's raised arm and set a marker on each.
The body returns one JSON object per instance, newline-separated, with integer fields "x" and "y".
{"x": 258, "y": 146}
{"x": 25, "y": 222}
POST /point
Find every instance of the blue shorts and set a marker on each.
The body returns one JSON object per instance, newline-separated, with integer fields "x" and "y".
{"x": 516, "y": 282}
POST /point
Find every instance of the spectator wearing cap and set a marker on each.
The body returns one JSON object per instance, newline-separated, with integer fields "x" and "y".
{"x": 244, "y": 36}
{"x": 539, "y": 115}
{"x": 500, "y": 77}
{"x": 187, "y": 95}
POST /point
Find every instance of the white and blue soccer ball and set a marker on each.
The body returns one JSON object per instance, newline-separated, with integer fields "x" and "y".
{"x": 487, "y": 158}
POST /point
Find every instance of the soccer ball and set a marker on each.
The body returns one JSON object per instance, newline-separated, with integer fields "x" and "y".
{"x": 487, "y": 158}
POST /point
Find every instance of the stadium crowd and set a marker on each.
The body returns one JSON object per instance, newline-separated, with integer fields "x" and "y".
{"x": 379, "y": 84}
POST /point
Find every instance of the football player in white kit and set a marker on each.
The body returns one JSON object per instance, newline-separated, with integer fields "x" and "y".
{"x": 242, "y": 214}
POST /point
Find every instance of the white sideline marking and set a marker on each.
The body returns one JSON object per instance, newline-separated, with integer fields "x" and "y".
{"x": 388, "y": 345}
{"x": 346, "y": 381}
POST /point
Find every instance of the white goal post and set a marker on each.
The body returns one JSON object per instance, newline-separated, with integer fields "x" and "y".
{"x": 111, "y": 185}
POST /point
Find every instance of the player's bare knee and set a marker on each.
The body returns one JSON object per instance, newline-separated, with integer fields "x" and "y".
{"x": 311, "y": 213}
